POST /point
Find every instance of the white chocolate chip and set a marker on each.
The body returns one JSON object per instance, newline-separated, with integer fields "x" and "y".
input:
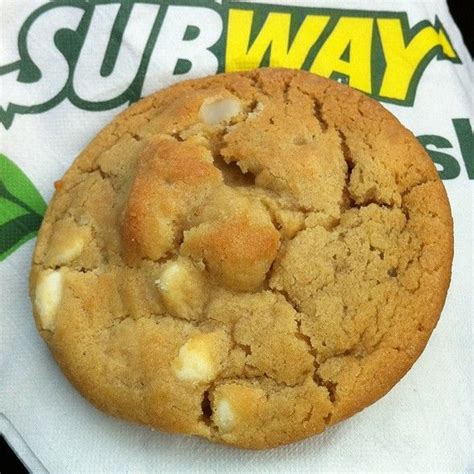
{"x": 70, "y": 251}
{"x": 48, "y": 294}
{"x": 195, "y": 362}
{"x": 182, "y": 289}
{"x": 224, "y": 415}
{"x": 220, "y": 110}
{"x": 67, "y": 242}
{"x": 172, "y": 278}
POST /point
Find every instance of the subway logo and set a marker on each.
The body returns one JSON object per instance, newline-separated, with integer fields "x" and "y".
{"x": 128, "y": 49}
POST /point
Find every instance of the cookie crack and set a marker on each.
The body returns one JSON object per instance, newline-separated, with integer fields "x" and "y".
{"x": 317, "y": 108}
{"x": 347, "y": 202}
{"x": 207, "y": 413}
{"x": 330, "y": 386}
{"x": 246, "y": 348}
{"x": 317, "y": 111}
{"x": 264, "y": 376}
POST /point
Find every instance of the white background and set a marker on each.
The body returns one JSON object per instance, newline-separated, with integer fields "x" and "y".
{"x": 425, "y": 424}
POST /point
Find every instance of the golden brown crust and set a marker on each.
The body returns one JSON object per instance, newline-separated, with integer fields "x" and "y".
{"x": 249, "y": 257}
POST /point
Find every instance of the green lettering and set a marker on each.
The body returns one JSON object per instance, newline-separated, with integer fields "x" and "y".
{"x": 450, "y": 168}
{"x": 463, "y": 129}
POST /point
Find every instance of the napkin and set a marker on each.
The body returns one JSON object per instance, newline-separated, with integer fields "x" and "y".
{"x": 67, "y": 68}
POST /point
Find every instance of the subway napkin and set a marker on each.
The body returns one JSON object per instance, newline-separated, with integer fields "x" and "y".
{"x": 67, "y": 67}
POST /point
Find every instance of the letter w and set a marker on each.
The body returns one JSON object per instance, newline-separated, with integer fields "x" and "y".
{"x": 274, "y": 35}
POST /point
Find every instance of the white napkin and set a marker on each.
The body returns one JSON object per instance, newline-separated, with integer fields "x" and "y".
{"x": 53, "y": 108}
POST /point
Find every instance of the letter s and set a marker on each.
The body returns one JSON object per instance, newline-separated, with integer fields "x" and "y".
{"x": 44, "y": 54}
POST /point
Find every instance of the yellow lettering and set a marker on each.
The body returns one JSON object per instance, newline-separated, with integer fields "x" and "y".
{"x": 355, "y": 34}
{"x": 403, "y": 59}
{"x": 447, "y": 47}
{"x": 274, "y": 34}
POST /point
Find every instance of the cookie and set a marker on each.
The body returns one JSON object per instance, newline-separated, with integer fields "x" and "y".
{"x": 248, "y": 257}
